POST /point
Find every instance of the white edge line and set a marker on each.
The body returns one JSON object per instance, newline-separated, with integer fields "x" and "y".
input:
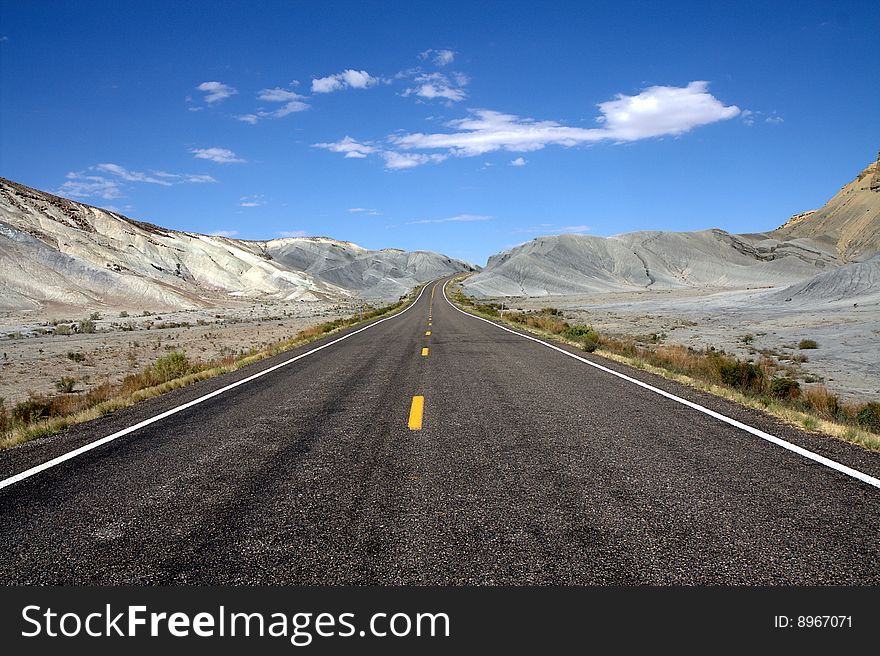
{"x": 822, "y": 460}
{"x": 146, "y": 422}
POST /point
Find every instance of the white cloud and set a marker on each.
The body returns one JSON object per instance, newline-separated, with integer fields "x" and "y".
{"x": 438, "y": 85}
{"x": 219, "y": 155}
{"x": 348, "y": 78}
{"x": 278, "y": 94}
{"x": 251, "y": 201}
{"x": 79, "y": 185}
{"x": 395, "y": 160}
{"x": 216, "y": 91}
{"x": 364, "y": 210}
{"x": 349, "y": 146}
{"x": 292, "y": 233}
{"x": 460, "y": 218}
{"x": 439, "y": 57}
{"x": 519, "y": 161}
{"x": 656, "y": 111}
{"x": 293, "y": 102}
{"x": 134, "y": 176}
{"x": 659, "y": 111}
{"x": 88, "y": 184}
{"x": 223, "y": 233}
{"x": 774, "y": 119}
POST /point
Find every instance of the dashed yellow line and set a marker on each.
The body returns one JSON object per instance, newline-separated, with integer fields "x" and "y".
{"x": 427, "y": 333}
{"x": 424, "y": 352}
{"x": 416, "y": 411}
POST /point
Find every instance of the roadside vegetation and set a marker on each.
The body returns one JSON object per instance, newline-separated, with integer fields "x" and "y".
{"x": 41, "y": 415}
{"x": 760, "y": 383}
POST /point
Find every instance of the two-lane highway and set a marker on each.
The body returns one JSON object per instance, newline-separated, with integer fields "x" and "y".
{"x": 433, "y": 447}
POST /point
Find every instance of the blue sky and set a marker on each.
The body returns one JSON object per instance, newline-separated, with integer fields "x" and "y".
{"x": 464, "y": 128}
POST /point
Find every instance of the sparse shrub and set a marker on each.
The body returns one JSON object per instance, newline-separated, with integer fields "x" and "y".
{"x": 820, "y": 400}
{"x": 586, "y": 336}
{"x": 742, "y": 375}
{"x": 63, "y": 329}
{"x": 4, "y": 416}
{"x": 86, "y": 326}
{"x": 65, "y": 385}
{"x": 123, "y": 314}
{"x": 869, "y": 417}
{"x": 171, "y": 366}
{"x": 95, "y": 316}
{"x": 785, "y": 388}
{"x": 75, "y": 356}
{"x": 34, "y": 409}
{"x": 748, "y": 338}
{"x": 808, "y": 344}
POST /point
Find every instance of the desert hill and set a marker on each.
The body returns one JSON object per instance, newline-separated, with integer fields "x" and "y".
{"x": 58, "y": 252}
{"x": 835, "y": 238}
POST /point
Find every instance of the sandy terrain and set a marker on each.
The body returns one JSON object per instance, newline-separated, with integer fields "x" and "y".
{"x": 32, "y": 360}
{"x": 847, "y": 360}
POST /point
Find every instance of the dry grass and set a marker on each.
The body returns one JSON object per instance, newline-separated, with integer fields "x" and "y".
{"x": 759, "y": 385}
{"x": 44, "y": 415}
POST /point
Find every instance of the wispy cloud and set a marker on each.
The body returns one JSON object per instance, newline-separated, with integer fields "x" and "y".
{"x": 219, "y": 155}
{"x": 350, "y": 147}
{"x": 654, "y": 112}
{"x": 291, "y": 102}
{"x": 435, "y": 85}
{"x": 92, "y": 184}
{"x": 251, "y": 201}
{"x": 395, "y": 160}
{"x": 441, "y": 57}
{"x": 80, "y": 185}
{"x": 216, "y": 91}
{"x": 223, "y": 233}
{"x": 347, "y": 79}
{"x": 519, "y": 161}
{"x": 292, "y": 233}
{"x": 460, "y": 218}
{"x": 364, "y": 210}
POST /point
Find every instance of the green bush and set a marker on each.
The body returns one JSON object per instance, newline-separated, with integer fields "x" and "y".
{"x": 869, "y": 417}
{"x": 589, "y": 345}
{"x": 63, "y": 329}
{"x": 808, "y": 344}
{"x": 171, "y": 366}
{"x": 86, "y": 326}
{"x": 65, "y": 385}
{"x": 742, "y": 375}
{"x": 785, "y": 388}
{"x": 33, "y": 409}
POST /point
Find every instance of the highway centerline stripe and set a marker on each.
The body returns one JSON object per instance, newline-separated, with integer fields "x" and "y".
{"x": 415, "y": 413}
{"x": 424, "y": 352}
{"x": 427, "y": 333}
{"x": 146, "y": 422}
{"x": 794, "y": 448}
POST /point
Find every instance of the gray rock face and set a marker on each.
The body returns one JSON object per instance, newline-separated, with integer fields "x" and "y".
{"x": 846, "y": 229}
{"x": 54, "y": 251}
{"x": 382, "y": 274}
{"x": 857, "y": 281}
{"x": 578, "y": 264}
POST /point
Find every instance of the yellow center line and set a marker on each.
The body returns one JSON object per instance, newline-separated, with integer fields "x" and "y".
{"x": 416, "y": 411}
{"x": 427, "y": 333}
{"x": 424, "y": 352}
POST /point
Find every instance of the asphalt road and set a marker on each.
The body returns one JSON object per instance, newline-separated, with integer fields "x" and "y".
{"x": 530, "y": 467}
